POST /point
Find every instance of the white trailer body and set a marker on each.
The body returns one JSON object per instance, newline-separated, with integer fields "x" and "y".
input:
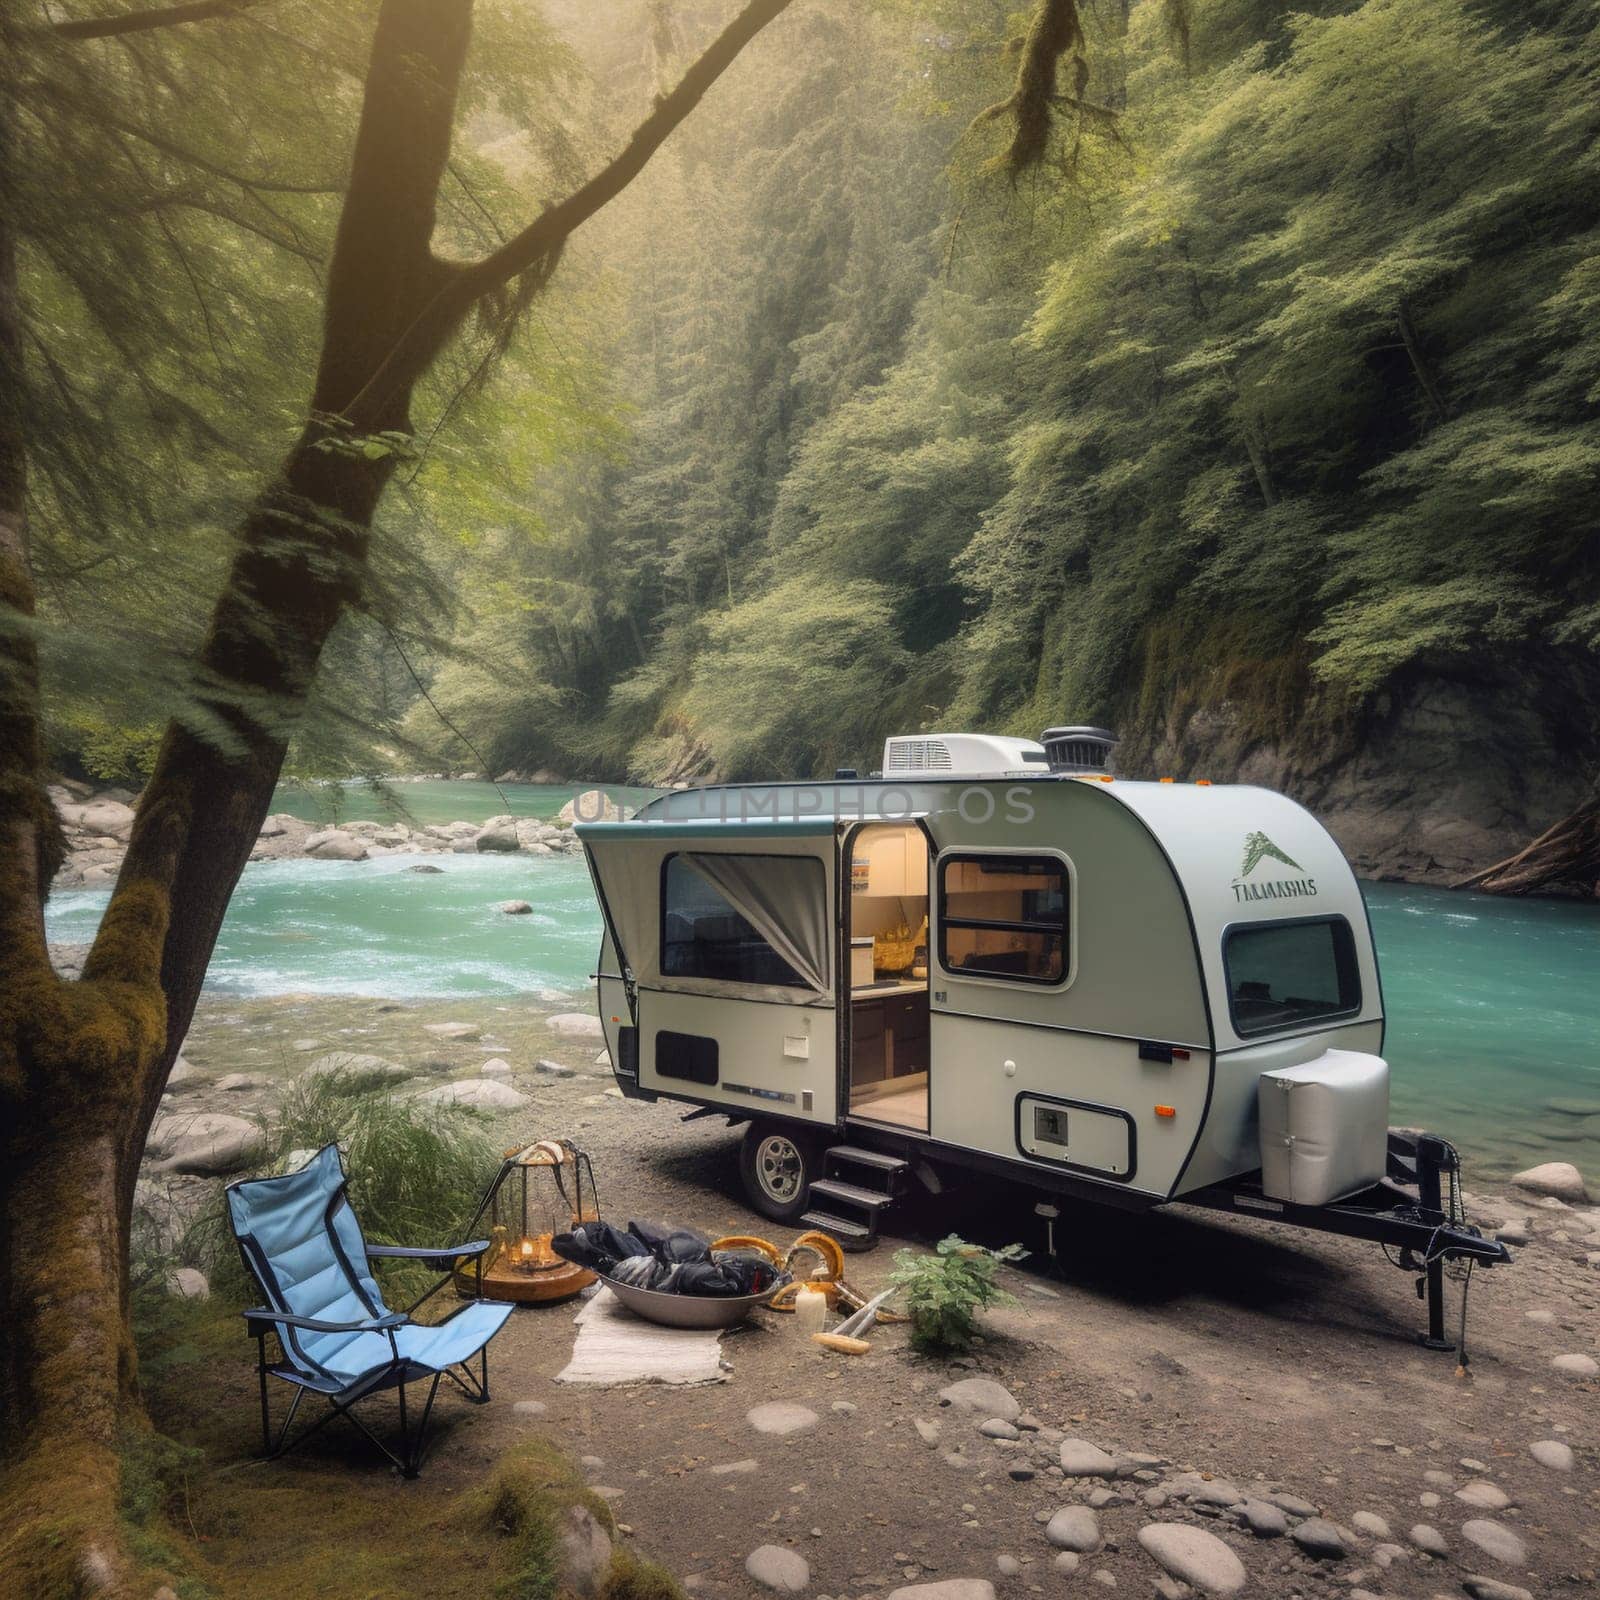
{"x": 1081, "y": 983}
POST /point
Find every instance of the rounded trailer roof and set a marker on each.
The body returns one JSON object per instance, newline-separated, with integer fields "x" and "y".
{"x": 1248, "y": 855}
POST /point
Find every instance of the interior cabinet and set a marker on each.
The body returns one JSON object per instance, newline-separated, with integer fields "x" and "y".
{"x": 889, "y": 1037}
{"x": 890, "y": 861}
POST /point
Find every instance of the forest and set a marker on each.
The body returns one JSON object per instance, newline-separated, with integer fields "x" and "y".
{"x": 1252, "y": 416}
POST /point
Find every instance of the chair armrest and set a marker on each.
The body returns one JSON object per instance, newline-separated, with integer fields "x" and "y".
{"x": 475, "y": 1248}
{"x": 393, "y": 1319}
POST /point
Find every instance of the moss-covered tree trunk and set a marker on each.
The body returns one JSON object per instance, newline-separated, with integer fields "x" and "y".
{"x": 83, "y": 1064}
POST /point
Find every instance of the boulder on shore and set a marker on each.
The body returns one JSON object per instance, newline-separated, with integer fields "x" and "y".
{"x": 483, "y": 1094}
{"x": 103, "y": 818}
{"x": 208, "y": 1144}
{"x": 498, "y": 834}
{"x": 1193, "y": 1556}
{"x": 575, "y": 1025}
{"x": 593, "y": 805}
{"x": 1558, "y": 1178}
{"x": 357, "y": 1071}
{"x": 336, "y": 844}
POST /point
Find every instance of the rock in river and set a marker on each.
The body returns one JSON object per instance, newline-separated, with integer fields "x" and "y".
{"x": 516, "y": 908}
{"x": 1263, "y": 1519}
{"x": 1482, "y": 1494}
{"x": 1576, "y": 1366}
{"x": 1194, "y": 1556}
{"x": 1558, "y": 1178}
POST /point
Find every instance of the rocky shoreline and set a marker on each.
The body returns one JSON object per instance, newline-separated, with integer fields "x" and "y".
{"x": 97, "y": 823}
{"x": 1203, "y": 1406}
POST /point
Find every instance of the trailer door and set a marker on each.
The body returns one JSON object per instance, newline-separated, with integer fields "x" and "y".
{"x": 725, "y": 941}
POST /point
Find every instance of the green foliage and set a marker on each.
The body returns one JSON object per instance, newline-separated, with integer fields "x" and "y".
{"x": 1278, "y": 382}
{"x": 154, "y": 1474}
{"x": 945, "y": 1291}
{"x": 529, "y": 1500}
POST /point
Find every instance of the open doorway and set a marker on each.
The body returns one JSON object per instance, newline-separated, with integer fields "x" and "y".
{"x": 887, "y": 975}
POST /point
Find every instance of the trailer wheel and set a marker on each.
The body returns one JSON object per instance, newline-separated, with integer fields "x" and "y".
{"x": 777, "y": 1163}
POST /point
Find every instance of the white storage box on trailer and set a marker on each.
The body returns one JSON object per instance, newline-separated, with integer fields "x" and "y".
{"x": 1324, "y": 1127}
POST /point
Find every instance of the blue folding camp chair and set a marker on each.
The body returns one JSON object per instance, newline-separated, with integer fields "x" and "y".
{"x": 303, "y": 1246}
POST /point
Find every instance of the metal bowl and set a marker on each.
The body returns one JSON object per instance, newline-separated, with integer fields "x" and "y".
{"x": 690, "y": 1310}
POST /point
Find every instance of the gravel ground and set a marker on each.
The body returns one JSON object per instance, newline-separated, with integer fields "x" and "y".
{"x": 1243, "y": 1361}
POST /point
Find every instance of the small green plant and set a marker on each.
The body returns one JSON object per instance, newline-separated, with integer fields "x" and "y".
{"x": 946, "y": 1290}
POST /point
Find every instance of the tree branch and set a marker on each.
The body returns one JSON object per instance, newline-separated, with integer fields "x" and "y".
{"x": 146, "y": 21}
{"x": 551, "y": 229}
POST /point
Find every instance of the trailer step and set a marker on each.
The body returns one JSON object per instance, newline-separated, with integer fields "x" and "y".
{"x": 854, "y": 1156}
{"x": 848, "y": 1233}
{"x": 851, "y": 1193}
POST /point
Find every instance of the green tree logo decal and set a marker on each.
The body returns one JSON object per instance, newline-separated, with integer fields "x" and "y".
{"x": 1257, "y": 847}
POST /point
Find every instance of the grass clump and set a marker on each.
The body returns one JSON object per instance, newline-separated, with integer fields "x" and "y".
{"x": 946, "y": 1290}
{"x": 416, "y": 1172}
{"x": 153, "y": 1492}
{"x": 539, "y": 1511}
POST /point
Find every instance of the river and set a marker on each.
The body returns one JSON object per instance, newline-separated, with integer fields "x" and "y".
{"x": 1493, "y": 1005}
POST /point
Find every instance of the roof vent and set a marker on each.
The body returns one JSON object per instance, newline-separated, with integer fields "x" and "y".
{"x": 1079, "y": 749}
{"x": 968, "y": 755}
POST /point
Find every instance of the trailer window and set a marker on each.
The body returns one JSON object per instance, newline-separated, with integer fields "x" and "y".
{"x": 704, "y": 935}
{"x": 1286, "y": 974}
{"x": 1003, "y": 916}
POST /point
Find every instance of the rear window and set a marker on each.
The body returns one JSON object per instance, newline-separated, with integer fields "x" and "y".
{"x": 1286, "y": 974}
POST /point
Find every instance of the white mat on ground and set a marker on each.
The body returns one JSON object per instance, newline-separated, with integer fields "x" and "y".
{"x": 615, "y": 1346}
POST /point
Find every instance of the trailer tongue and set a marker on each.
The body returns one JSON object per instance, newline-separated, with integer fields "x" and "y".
{"x": 1416, "y": 1209}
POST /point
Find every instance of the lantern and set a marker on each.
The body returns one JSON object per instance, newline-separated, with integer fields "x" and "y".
{"x": 541, "y": 1190}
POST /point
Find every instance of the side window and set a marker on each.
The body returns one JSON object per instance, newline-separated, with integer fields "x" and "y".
{"x": 703, "y": 935}
{"x": 1286, "y": 974}
{"x": 1003, "y": 916}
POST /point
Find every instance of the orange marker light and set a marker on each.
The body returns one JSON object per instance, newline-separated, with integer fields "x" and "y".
{"x": 1108, "y": 780}
{"x": 1202, "y": 783}
{"x": 1166, "y": 780}
{"x": 1166, "y": 1111}
{"x": 616, "y": 1019}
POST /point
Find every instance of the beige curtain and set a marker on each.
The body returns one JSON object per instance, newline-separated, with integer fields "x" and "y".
{"x": 784, "y": 898}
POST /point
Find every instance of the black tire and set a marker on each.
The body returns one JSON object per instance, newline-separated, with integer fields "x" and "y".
{"x": 777, "y": 1162}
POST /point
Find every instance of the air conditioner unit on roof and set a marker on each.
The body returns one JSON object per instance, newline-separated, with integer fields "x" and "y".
{"x": 967, "y": 755}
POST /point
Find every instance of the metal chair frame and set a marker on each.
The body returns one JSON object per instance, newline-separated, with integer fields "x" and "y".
{"x": 297, "y": 1368}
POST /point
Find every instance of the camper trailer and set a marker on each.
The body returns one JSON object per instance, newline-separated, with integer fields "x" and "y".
{"x": 995, "y": 957}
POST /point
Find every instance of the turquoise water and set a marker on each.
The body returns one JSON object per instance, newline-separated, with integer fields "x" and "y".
{"x": 436, "y": 800}
{"x": 1493, "y": 1005}
{"x": 374, "y": 928}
